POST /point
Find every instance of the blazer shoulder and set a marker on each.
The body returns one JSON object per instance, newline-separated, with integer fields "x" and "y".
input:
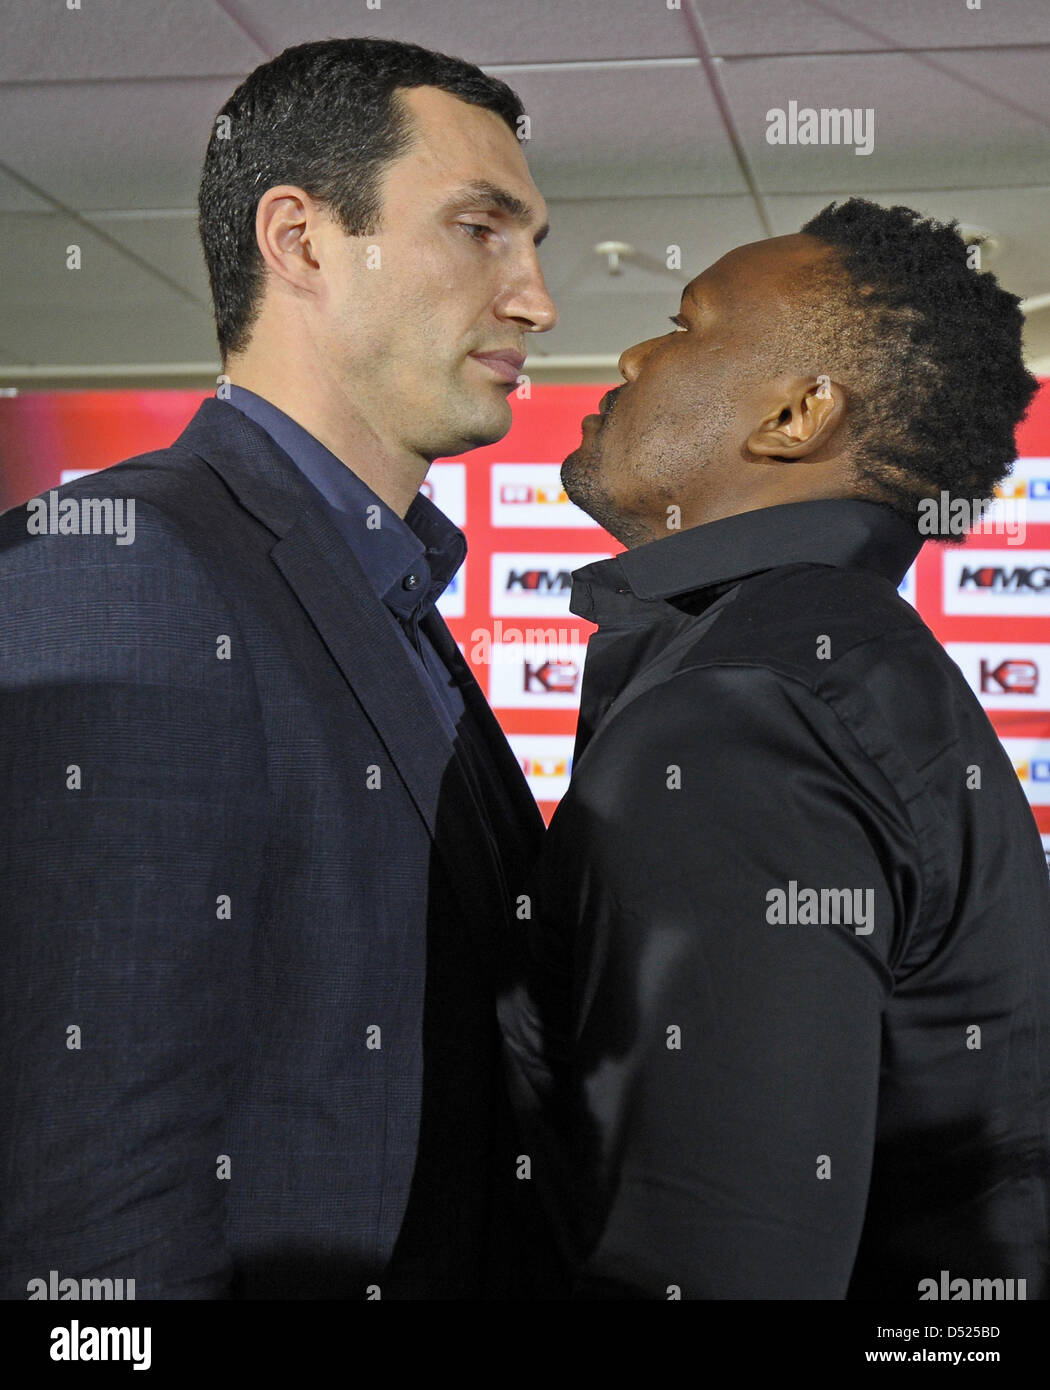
{"x": 156, "y": 504}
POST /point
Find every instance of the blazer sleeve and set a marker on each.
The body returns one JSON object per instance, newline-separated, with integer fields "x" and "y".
{"x": 131, "y": 849}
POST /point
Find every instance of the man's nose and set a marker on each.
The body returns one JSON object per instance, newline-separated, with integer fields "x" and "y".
{"x": 530, "y": 302}
{"x": 632, "y": 359}
{"x": 542, "y": 310}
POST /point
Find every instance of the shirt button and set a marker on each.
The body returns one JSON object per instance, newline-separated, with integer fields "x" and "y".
{"x": 410, "y": 581}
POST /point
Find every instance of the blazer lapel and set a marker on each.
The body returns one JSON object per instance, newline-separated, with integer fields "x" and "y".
{"x": 335, "y": 593}
{"x": 525, "y": 808}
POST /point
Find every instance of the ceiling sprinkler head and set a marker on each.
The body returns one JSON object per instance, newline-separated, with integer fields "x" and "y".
{"x": 614, "y": 251}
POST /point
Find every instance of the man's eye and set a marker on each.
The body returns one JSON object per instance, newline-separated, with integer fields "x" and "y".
{"x": 474, "y": 228}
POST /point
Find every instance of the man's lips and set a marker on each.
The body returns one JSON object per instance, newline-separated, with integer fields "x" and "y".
{"x": 605, "y": 405}
{"x": 507, "y": 364}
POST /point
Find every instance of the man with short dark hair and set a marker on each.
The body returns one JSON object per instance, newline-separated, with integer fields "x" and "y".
{"x": 789, "y": 1026}
{"x": 264, "y": 836}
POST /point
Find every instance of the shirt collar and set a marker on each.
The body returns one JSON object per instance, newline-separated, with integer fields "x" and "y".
{"x": 847, "y": 532}
{"x": 410, "y": 561}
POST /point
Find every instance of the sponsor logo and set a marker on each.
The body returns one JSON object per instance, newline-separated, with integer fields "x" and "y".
{"x": 535, "y": 676}
{"x": 906, "y": 588}
{"x": 546, "y": 761}
{"x": 1031, "y": 762}
{"x": 534, "y": 583}
{"x": 451, "y": 604}
{"x": 1028, "y": 483}
{"x": 539, "y": 581}
{"x": 1010, "y": 676}
{"x": 993, "y": 582}
{"x": 1000, "y": 578}
{"x": 1002, "y": 675}
{"x": 531, "y": 494}
{"x": 551, "y": 677}
{"x": 446, "y": 486}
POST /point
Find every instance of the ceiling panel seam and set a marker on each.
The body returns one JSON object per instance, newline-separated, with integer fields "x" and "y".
{"x": 96, "y": 231}
{"x": 696, "y": 27}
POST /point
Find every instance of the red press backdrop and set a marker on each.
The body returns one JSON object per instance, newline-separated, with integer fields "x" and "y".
{"x": 988, "y": 601}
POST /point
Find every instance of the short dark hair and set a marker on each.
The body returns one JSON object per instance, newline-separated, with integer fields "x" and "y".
{"x": 324, "y": 117}
{"x": 934, "y": 346}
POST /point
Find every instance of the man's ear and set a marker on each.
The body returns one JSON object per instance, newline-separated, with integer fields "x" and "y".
{"x": 806, "y": 413}
{"x": 285, "y": 222}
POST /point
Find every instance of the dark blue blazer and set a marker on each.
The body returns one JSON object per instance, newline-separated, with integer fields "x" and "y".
{"x": 231, "y": 817}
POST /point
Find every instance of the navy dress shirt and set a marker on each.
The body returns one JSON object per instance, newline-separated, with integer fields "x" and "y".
{"x": 452, "y": 1236}
{"x": 410, "y": 562}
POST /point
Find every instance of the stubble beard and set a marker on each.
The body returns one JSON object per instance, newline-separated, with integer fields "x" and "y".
{"x": 583, "y": 481}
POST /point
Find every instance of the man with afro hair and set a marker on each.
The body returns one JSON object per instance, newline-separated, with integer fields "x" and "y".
{"x": 788, "y": 1029}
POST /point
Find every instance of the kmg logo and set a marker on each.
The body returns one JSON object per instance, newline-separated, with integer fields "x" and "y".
{"x": 535, "y": 584}
{"x": 539, "y": 581}
{"x": 996, "y": 583}
{"x": 1019, "y": 579}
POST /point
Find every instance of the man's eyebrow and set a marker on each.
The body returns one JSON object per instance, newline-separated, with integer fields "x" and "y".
{"x": 496, "y": 197}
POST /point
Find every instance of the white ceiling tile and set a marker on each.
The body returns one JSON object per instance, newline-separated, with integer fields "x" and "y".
{"x": 631, "y": 133}
{"x": 1018, "y": 217}
{"x": 121, "y": 39}
{"x": 941, "y": 121}
{"x": 494, "y": 31}
{"x": 174, "y": 332}
{"x": 166, "y": 240}
{"x": 34, "y": 251}
{"x": 15, "y": 197}
{"x": 120, "y": 145}
{"x": 848, "y": 26}
{"x": 603, "y": 313}
{"x": 634, "y": 151}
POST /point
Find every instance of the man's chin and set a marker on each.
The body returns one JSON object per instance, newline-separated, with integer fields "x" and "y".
{"x": 487, "y": 426}
{"x": 491, "y": 421}
{"x": 579, "y": 478}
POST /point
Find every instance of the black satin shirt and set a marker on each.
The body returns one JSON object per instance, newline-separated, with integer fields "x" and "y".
{"x": 788, "y": 1029}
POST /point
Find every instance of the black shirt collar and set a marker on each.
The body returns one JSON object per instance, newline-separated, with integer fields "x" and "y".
{"x": 846, "y": 532}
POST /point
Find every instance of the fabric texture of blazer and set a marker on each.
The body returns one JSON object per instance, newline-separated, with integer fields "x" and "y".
{"x": 232, "y": 817}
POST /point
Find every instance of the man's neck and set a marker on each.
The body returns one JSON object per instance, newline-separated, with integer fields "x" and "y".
{"x": 395, "y": 477}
